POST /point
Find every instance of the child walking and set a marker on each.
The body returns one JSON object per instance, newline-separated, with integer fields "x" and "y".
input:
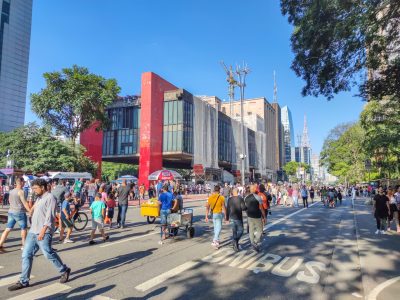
{"x": 98, "y": 208}
{"x": 110, "y": 208}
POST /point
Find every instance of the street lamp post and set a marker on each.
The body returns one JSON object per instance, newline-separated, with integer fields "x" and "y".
{"x": 242, "y": 73}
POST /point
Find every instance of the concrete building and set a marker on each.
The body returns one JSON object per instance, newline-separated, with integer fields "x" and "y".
{"x": 279, "y": 138}
{"x": 288, "y": 134}
{"x": 263, "y": 109}
{"x": 169, "y": 127}
{"x": 15, "y": 34}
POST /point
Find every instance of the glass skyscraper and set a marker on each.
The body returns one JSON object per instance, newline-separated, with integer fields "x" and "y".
{"x": 15, "y": 35}
{"x": 287, "y": 122}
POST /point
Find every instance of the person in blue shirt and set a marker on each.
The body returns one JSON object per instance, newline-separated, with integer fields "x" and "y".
{"x": 165, "y": 200}
{"x": 66, "y": 221}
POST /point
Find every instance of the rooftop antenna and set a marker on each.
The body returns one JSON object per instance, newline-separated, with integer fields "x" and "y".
{"x": 275, "y": 90}
{"x": 232, "y": 83}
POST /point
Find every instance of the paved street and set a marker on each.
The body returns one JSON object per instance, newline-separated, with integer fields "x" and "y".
{"x": 314, "y": 253}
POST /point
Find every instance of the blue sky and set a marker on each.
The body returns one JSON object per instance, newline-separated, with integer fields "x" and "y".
{"x": 183, "y": 41}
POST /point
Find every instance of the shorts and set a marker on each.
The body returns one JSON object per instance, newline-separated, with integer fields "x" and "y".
{"x": 110, "y": 213}
{"x": 66, "y": 223}
{"x": 164, "y": 215}
{"x": 97, "y": 224}
{"x": 13, "y": 218}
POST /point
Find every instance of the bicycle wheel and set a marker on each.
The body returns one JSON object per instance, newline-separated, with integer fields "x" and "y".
{"x": 81, "y": 221}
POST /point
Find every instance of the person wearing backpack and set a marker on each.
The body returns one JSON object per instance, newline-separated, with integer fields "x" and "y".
{"x": 216, "y": 206}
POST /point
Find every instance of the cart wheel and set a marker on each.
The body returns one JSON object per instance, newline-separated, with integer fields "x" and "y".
{"x": 190, "y": 232}
{"x": 174, "y": 231}
{"x": 151, "y": 220}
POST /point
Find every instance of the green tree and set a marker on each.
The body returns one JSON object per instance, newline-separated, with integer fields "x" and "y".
{"x": 345, "y": 156}
{"x": 291, "y": 168}
{"x": 33, "y": 148}
{"x": 112, "y": 171}
{"x": 334, "y": 42}
{"x": 381, "y": 122}
{"x": 73, "y": 100}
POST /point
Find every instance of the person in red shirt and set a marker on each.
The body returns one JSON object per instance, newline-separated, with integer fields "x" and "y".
{"x": 111, "y": 204}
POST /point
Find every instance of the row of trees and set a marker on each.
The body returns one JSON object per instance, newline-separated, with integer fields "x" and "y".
{"x": 339, "y": 45}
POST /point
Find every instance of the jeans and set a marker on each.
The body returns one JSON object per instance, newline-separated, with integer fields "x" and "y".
{"x": 237, "y": 229}
{"x": 305, "y": 201}
{"x": 32, "y": 245}
{"x": 19, "y": 218}
{"x": 122, "y": 214}
{"x": 217, "y": 220}
{"x": 91, "y": 199}
{"x": 295, "y": 201}
{"x": 255, "y": 230}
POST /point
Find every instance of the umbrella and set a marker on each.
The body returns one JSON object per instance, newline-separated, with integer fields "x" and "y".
{"x": 3, "y": 176}
{"x": 164, "y": 175}
{"x": 129, "y": 178}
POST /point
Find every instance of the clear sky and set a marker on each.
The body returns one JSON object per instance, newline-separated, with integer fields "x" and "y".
{"x": 182, "y": 41}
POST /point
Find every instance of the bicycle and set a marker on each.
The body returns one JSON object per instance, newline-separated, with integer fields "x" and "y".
{"x": 80, "y": 219}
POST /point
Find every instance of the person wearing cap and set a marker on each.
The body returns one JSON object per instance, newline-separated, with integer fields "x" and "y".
{"x": 65, "y": 220}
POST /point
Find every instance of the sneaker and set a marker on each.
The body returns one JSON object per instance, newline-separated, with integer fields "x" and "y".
{"x": 235, "y": 246}
{"x": 388, "y": 229}
{"x": 383, "y": 232}
{"x": 65, "y": 276}
{"x": 92, "y": 242}
{"x": 22, "y": 248}
{"x": 106, "y": 239}
{"x": 215, "y": 245}
{"x": 160, "y": 242}
{"x": 377, "y": 231}
{"x": 66, "y": 241}
{"x": 17, "y": 286}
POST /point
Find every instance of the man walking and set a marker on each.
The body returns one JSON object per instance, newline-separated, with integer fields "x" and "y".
{"x": 123, "y": 194}
{"x": 216, "y": 205}
{"x": 304, "y": 196}
{"x": 226, "y": 191}
{"x": 235, "y": 206}
{"x": 40, "y": 236}
{"x": 255, "y": 217}
{"x": 17, "y": 212}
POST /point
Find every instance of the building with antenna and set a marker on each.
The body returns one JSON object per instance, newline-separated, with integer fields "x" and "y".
{"x": 303, "y": 150}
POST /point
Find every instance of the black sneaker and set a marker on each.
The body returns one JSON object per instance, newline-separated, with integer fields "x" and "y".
{"x": 235, "y": 246}
{"x": 106, "y": 239}
{"x": 65, "y": 276}
{"x": 17, "y": 286}
{"x": 92, "y": 242}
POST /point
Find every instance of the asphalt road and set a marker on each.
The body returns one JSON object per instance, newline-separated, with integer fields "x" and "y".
{"x": 314, "y": 253}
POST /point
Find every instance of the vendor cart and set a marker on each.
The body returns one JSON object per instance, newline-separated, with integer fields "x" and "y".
{"x": 181, "y": 221}
{"x": 151, "y": 210}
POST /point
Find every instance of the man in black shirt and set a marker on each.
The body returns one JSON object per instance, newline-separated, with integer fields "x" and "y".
{"x": 235, "y": 206}
{"x": 123, "y": 193}
{"x": 255, "y": 217}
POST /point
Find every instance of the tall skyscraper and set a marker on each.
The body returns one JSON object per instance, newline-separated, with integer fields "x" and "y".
{"x": 288, "y": 134}
{"x": 15, "y": 36}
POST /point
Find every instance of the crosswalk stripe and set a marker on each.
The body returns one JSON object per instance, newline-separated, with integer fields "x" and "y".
{"x": 100, "y": 297}
{"x": 43, "y": 292}
{"x": 10, "y": 280}
{"x": 128, "y": 239}
{"x": 165, "y": 276}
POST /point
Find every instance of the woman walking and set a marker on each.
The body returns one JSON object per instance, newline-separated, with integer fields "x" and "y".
{"x": 381, "y": 211}
{"x": 394, "y": 213}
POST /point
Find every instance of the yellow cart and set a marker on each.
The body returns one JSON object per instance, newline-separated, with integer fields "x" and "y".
{"x": 151, "y": 210}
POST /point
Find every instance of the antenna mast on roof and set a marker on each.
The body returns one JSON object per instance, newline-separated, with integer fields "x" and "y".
{"x": 232, "y": 83}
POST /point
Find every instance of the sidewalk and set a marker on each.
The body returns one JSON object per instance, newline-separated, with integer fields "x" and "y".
{"x": 379, "y": 255}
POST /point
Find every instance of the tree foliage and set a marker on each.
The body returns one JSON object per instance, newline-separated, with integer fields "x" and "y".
{"x": 335, "y": 42}
{"x": 112, "y": 171}
{"x": 73, "y": 100}
{"x": 34, "y": 148}
{"x": 344, "y": 155}
{"x": 291, "y": 168}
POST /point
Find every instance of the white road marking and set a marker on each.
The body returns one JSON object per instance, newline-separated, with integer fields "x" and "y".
{"x": 165, "y": 276}
{"x": 280, "y": 271}
{"x": 288, "y": 216}
{"x": 375, "y": 292}
{"x": 10, "y": 280}
{"x": 100, "y": 297}
{"x": 1, "y": 267}
{"x": 127, "y": 240}
{"x": 43, "y": 292}
{"x": 357, "y": 295}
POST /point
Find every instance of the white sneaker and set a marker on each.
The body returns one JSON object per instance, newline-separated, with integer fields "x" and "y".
{"x": 383, "y": 232}
{"x": 377, "y": 231}
{"x": 66, "y": 241}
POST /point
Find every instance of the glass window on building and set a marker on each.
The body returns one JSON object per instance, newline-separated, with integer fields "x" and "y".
{"x": 224, "y": 140}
